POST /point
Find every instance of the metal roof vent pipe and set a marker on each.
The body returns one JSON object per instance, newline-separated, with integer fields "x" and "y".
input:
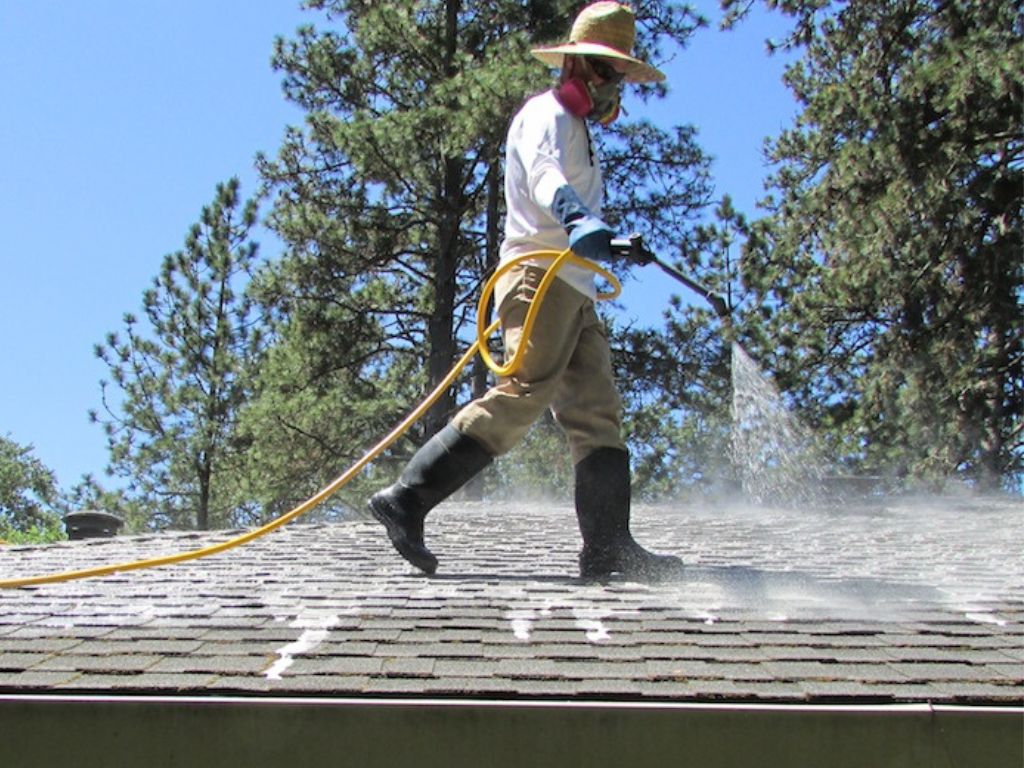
{"x": 92, "y": 524}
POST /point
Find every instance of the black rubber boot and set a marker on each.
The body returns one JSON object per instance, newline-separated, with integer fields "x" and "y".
{"x": 444, "y": 464}
{"x": 602, "y": 508}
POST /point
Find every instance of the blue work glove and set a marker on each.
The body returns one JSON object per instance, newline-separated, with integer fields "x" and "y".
{"x": 589, "y": 237}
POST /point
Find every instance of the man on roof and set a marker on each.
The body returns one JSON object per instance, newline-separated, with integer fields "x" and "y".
{"x": 553, "y": 195}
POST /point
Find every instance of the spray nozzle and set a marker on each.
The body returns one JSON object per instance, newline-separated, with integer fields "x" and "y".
{"x": 633, "y": 248}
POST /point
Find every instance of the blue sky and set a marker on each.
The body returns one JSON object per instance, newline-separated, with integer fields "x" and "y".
{"x": 119, "y": 118}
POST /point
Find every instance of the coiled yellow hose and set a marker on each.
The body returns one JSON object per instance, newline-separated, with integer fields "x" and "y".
{"x": 480, "y": 345}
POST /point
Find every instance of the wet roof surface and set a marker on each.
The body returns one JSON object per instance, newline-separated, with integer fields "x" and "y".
{"x": 890, "y": 602}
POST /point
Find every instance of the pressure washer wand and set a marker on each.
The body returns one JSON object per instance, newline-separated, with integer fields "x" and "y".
{"x": 633, "y": 248}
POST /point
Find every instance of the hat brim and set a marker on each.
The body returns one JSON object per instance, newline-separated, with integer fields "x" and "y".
{"x": 636, "y": 71}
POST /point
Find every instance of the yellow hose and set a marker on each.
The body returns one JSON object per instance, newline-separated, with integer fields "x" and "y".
{"x": 559, "y": 259}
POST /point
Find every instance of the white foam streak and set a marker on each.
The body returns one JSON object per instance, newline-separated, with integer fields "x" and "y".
{"x": 315, "y": 627}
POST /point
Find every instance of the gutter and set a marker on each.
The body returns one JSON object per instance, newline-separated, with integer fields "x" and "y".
{"x": 199, "y": 731}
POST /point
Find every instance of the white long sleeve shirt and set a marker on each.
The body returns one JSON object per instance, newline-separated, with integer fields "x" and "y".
{"x": 547, "y": 148}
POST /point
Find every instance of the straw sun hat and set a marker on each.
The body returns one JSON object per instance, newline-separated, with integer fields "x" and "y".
{"x": 603, "y": 29}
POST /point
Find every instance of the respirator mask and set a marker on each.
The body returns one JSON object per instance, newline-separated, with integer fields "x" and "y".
{"x": 599, "y": 103}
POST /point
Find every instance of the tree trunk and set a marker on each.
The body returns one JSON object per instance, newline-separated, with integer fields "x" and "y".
{"x": 481, "y": 379}
{"x": 992, "y": 445}
{"x": 440, "y": 336}
{"x": 203, "y": 508}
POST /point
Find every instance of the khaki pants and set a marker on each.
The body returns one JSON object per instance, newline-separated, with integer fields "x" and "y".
{"x": 566, "y": 367}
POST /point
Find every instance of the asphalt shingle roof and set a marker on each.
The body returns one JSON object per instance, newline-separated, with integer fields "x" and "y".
{"x": 887, "y": 602}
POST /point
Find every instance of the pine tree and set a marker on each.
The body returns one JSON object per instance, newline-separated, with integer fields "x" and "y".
{"x": 29, "y": 497}
{"x": 182, "y": 375}
{"x": 890, "y": 270}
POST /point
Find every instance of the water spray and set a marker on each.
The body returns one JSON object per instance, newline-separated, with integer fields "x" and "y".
{"x": 776, "y": 457}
